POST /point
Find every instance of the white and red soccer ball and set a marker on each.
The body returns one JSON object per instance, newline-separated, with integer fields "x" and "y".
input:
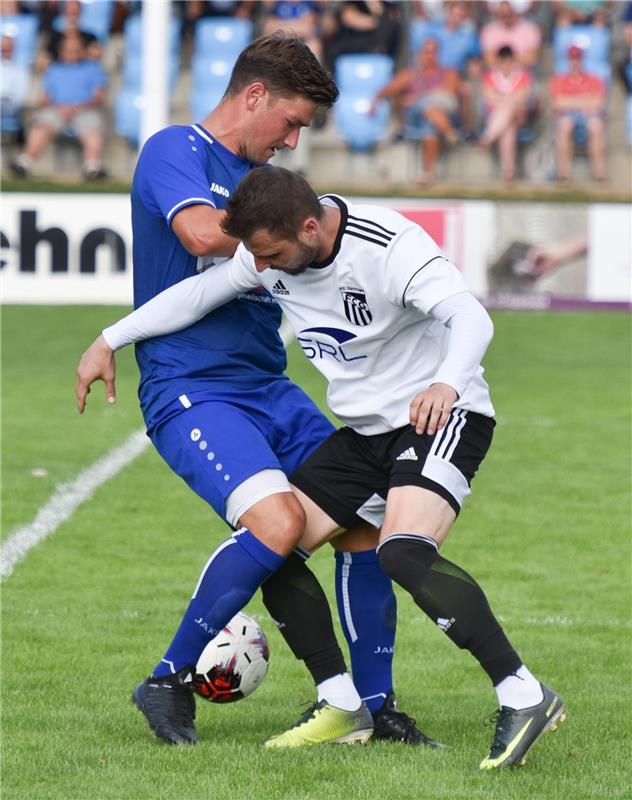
{"x": 234, "y": 663}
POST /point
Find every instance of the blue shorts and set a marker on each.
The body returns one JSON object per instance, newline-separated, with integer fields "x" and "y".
{"x": 223, "y": 439}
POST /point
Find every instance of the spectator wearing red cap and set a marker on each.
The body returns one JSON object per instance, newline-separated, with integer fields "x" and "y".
{"x": 578, "y": 99}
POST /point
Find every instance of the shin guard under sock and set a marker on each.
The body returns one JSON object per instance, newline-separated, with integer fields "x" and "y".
{"x": 368, "y": 612}
{"x": 228, "y": 581}
{"x": 297, "y": 603}
{"x": 451, "y": 598}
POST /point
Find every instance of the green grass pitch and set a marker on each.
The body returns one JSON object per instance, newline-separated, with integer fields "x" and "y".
{"x": 88, "y": 612}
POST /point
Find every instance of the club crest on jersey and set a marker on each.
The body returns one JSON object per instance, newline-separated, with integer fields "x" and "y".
{"x": 357, "y": 309}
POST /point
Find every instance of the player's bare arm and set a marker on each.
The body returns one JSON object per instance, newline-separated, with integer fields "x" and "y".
{"x": 96, "y": 364}
{"x": 198, "y": 228}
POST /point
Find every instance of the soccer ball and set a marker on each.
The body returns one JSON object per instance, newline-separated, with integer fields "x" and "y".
{"x": 234, "y": 663}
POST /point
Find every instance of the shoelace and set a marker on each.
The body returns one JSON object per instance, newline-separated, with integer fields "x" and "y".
{"x": 497, "y": 718}
{"x": 309, "y": 712}
{"x": 408, "y": 725}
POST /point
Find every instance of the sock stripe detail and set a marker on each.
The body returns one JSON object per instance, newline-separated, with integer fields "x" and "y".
{"x": 301, "y": 552}
{"x": 411, "y": 537}
{"x": 346, "y": 604}
{"x": 213, "y": 556}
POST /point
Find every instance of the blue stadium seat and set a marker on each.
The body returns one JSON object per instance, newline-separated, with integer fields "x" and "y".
{"x": 10, "y": 122}
{"x": 23, "y": 29}
{"x": 96, "y": 17}
{"x": 359, "y": 78}
{"x": 202, "y": 101}
{"x": 132, "y": 35}
{"x": 132, "y": 68}
{"x": 127, "y": 107}
{"x": 133, "y": 71}
{"x": 222, "y": 37}
{"x": 363, "y": 72}
{"x": 360, "y": 130}
{"x": 594, "y": 41}
{"x": 209, "y": 79}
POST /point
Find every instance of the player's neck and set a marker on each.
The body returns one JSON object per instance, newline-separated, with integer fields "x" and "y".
{"x": 329, "y": 227}
{"x": 224, "y": 124}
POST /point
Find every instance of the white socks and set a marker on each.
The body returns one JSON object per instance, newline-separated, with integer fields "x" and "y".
{"x": 520, "y": 690}
{"x": 340, "y": 692}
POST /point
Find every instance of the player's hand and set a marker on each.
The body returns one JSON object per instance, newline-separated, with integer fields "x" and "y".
{"x": 430, "y": 409}
{"x": 97, "y": 364}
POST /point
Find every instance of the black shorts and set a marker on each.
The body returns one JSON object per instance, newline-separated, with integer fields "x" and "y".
{"x": 349, "y": 475}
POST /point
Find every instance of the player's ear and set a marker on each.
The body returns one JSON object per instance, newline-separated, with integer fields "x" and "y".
{"x": 310, "y": 227}
{"x": 255, "y": 95}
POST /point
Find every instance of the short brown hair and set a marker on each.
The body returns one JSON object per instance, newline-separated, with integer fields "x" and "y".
{"x": 272, "y": 199}
{"x": 286, "y": 65}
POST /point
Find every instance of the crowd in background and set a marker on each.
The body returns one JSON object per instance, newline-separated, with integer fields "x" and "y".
{"x": 465, "y": 74}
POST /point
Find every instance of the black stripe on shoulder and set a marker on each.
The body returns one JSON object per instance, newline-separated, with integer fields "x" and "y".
{"x": 434, "y": 258}
{"x": 371, "y": 222}
{"x": 369, "y": 230}
{"x": 366, "y": 238}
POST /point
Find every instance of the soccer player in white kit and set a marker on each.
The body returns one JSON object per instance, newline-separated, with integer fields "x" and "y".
{"x": 389, "y": 322}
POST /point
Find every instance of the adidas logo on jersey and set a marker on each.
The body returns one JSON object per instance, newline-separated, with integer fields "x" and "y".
{"x": 279, "y": 288}
{"x": 443, "y": 624}
{"x": 408, "y": 455}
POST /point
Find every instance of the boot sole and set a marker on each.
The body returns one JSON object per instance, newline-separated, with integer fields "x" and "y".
{"x": 556, "y": 720}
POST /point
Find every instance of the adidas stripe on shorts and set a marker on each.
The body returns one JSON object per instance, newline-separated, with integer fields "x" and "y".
{"x": 349, "y": 475}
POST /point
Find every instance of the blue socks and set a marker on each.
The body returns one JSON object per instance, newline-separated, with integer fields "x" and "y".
{"x": 230, "y": 578}
{"x": 368, "y": 613}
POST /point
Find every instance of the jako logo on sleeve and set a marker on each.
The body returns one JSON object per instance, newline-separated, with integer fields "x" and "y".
{"x": 215, "y": 187}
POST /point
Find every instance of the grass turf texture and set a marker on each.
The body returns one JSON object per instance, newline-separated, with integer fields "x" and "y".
{"x": 89, "y": 611}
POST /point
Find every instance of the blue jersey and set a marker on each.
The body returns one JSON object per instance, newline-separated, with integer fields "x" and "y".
{"x": 236, "y": 344}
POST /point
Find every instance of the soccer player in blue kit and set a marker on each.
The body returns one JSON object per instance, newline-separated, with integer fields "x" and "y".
{"x": 222, "y": 414}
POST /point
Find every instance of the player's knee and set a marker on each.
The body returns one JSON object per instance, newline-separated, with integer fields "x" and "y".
{"x": 278, "y": 521}
{"x": 290, "y": 524}
{"x": 389, "y": 558}
{"x": 405, "y": 560}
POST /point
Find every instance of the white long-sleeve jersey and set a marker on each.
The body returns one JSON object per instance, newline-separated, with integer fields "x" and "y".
{"x": 386, "y": 316}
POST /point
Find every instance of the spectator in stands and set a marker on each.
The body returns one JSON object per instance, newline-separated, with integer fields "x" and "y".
{"x": 508, "y": 94}
{"x": 460, "y": 49}
{"x": 302, "y": 17}
{"x": 458, "y": 39}
{"x": 581, "y": 12}
{"x": 73, "y": 101}
{"x": 473, "y": 100}
{"x": 429, "y": 96}
{"x": 9, "y": 8}
{"x": 16, "y": 80}
{"x": 522, "y": 7}
{"x": 579, "y": 102}
{"x": 66, "y": 24}
{"x": 243, "y": 9}
{"x": 430, "y": 10}
{"x": 510, "y": 29}
{"x": 372, "y": 26}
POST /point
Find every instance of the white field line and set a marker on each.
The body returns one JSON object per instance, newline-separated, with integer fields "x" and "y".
{"x": 66, "y": 498}
{"x": 69, "y": 496}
